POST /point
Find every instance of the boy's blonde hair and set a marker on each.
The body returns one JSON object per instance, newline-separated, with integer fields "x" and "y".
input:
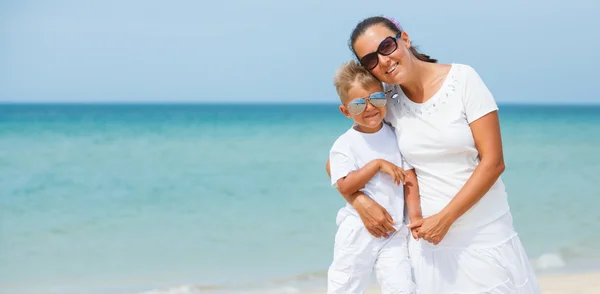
{"x": 352, "y": 74}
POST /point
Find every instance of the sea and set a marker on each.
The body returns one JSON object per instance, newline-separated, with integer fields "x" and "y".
{"x": 234, "y": 198}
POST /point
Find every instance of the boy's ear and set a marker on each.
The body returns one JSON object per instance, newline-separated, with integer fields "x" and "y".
{"x": 344, "y": 111}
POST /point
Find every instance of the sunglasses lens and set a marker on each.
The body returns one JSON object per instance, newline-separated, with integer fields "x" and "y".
{"x": 388, "y": 46}
{"x": 378, "y": 102}
{"x": 377, "y": 95}
{"x": 378, "y": 99}
{"x": 370, "y": 60}
{"x": 357, "y": 106}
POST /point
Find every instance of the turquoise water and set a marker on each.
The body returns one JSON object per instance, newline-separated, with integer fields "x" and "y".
{"x": 131, "y": 198}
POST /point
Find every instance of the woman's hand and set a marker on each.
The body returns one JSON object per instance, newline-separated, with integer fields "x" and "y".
{"x": 414, "y": 230}
{"x": 375, "y": 218}
{"x": 432, "y": 229}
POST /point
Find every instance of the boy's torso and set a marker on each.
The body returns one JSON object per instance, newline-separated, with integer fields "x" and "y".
{"x": 381, "y": 188}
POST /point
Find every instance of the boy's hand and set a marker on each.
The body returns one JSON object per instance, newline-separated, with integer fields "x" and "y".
{"x": 393, "y": 170}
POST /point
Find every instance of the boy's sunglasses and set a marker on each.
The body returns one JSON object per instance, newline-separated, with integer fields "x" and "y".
{"x": 358, "y": 105}
{"x": 386, "y": 47}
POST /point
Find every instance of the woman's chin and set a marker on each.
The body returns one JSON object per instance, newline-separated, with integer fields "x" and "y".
{"x": 393, "y": 78}
{"x": 398, "y": 76}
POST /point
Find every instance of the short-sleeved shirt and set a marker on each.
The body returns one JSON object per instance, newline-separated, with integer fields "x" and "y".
{"x": 436, "y": 139}
{"x": 353, "y": 150}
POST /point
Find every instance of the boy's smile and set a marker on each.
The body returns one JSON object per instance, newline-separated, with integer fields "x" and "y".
{"x": 370, "y": 119}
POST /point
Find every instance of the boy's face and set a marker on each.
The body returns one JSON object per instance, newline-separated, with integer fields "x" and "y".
{"x": 372, "y": 116}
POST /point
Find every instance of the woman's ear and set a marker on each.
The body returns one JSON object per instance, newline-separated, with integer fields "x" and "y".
{"x": 405, "y": 39}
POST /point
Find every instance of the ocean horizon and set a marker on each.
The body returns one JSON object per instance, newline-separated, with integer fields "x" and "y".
{"x": 199, "y": 197}
{"x": 327, "y": 102}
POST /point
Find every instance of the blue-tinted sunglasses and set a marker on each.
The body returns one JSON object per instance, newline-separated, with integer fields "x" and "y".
{"x": 358, "y": 105}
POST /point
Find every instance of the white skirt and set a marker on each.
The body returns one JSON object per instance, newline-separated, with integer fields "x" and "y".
{"x": 489, "y": 259}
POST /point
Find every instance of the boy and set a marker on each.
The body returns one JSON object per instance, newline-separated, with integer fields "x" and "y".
{"x": 367, "y": 158}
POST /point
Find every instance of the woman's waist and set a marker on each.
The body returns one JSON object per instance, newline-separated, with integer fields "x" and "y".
{"x": 492, "y": 234}
{"x": 490, "y": 207}
{"x": 442, "y": 189}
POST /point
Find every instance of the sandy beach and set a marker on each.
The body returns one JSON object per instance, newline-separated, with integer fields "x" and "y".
{"x": 584, "y": 283}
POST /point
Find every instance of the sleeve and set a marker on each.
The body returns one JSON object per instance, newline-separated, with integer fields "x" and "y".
{"x": 477, "y": 99}
{"x": 341, "y": 162}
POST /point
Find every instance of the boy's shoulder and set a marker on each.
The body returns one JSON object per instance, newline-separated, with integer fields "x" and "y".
{"x": 344, "y": 140}
{"x": 352, "y": 137}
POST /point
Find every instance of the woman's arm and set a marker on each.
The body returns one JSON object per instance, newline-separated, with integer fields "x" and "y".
{"x": 375, "y": 218}
{"x": 486, "y": 133}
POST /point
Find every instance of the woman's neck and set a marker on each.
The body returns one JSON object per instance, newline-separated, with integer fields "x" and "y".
{"x": 421, "y": 75}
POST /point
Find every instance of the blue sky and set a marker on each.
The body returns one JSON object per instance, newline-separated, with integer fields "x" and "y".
{"x": 282, "y": 51}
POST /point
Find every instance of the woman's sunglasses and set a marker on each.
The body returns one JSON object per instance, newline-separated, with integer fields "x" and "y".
{"x": 358, "y": 105}
{"x": 386, "y": 47}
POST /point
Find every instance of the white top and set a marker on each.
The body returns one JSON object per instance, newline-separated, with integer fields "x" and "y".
{"x": 435, "y": 138}
{"x": 353, "y": 150}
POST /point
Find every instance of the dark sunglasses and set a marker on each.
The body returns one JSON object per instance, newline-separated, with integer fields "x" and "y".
{"x": 386, "y": 47}
{"x": 358, "y": 105}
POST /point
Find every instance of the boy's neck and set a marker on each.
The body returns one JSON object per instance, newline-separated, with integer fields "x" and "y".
{"x": 368, "y": 130}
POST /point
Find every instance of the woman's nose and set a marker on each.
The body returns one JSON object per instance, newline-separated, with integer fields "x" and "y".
{"x": 384, "y": 60}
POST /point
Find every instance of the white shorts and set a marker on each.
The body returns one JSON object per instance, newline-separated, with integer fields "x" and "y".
{"x": 357, "y": 253}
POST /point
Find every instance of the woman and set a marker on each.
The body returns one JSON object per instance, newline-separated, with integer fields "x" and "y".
{"x": 447, "y": 128}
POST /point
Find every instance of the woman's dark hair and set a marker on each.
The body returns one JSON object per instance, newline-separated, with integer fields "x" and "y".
{"x": 367, "y": 23}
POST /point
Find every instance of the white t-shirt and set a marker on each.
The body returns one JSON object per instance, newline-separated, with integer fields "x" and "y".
{"x": 353, "y": 150}
{"x": 435, "y": 138}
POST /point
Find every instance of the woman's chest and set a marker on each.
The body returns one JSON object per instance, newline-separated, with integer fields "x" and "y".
{"x": 432, "y": 130}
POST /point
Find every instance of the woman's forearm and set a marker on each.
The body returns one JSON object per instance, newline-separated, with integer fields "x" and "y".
{"x": 480, "y": 182}
{"x": 375, "y": 218}
{"x": 352, "y": 198}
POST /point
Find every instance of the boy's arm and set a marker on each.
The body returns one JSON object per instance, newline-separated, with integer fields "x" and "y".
{"x": 358, "y": 179}
{"x": 411, "y": 196}
{"x": 375, "y": 218}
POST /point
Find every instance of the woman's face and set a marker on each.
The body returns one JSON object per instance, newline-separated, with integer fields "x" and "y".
{"x": 393, "y": 68}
